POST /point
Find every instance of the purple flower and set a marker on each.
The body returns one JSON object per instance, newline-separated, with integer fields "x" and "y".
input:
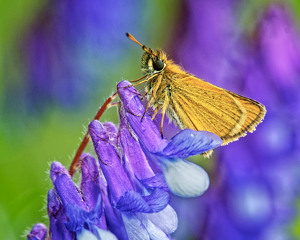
{"x": 184, "y": 178}
{"x": 137, "y": 166}
{"x": 129, "y": 196}
{"x": 57, "y": 217}
{"x": 90, "y": 185}
{"x": 73, "y": 212}
{"x": 142, "y": 175}
{"x": 135, "y": 208}
{"x": 38, "y": 232}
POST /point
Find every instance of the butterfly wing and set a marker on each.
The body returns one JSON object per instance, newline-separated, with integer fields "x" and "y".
{"x": 199, "y": 105}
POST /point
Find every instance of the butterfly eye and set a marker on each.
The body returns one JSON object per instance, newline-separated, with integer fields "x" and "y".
{"x": 158, "y": 65}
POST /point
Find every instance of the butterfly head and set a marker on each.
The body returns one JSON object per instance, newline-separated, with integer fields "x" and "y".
{"x": 153, "y": 61}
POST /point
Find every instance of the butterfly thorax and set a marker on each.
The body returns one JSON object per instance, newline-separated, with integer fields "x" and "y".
{"x": 155, "y": 66}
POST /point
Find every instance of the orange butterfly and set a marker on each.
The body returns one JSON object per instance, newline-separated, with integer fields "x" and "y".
{"x": 189, "y": 101}
{"x": 194, "y": 103}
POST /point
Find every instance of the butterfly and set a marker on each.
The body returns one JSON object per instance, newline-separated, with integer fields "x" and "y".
{"x": 189, "y": 101}
{"x": 194, "y": 103}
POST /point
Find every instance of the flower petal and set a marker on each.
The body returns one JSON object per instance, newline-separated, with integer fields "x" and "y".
{"x": 68, "y": 192}
{"x": 134, "y": 155}
{"x": 86, "y": 235}
{"x": 113, "y": 218}
{"x": 56, "y": 169}
{"x": 112, "y": 131}
{"x": 155, "y": 233}
{"x": 146, "y": 130}
{"x": 157, "y": 181}
{"x": 134, "y": 202}
{"x": 112, "y": 168}
{"x": 184, "y": 178}
{"x": 166, "y": 219}
{"x": 90, "y": 185}
{"x": 106, "y": 235}
{"x": 57, "y": 217}
{"x": 135, "y": 229}
{"x": 38, "y": 232}
{"x": 189, "y": 142}
{"x": 80, "y": 219}
{"x": 157, "y": 200}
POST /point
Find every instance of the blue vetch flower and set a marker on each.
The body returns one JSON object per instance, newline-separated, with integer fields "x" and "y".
{"x": 90, "y": 185}
{"x": 38, "y": 232}
{"x": 183, "y": 177}
{"x": 134, "y": 207}
{"x": 142, "y": 176}
{"x": 129, "y": 196}
{"x": 72, "y": 213}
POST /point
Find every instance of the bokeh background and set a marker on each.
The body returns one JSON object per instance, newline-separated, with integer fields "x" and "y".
{"x": 60, "y": 60}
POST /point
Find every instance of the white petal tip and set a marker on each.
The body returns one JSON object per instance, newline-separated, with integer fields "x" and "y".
{"x": 185, "y": 179}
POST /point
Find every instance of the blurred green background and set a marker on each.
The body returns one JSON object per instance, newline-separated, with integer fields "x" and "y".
{"x": 44, "y": 108}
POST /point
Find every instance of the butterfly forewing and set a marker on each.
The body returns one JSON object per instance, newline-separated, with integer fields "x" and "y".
{"x": 199, "y": 105}
{"x": 255, "y": 112}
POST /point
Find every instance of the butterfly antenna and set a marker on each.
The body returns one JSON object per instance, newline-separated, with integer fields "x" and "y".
{"x": 136, "y": 41}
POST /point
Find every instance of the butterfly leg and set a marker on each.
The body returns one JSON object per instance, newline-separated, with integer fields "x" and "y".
{"x": 138, "y": 79}
{"x": 155, "y": 113}
{"x": 136, "y": 84}
{"x": 144, "y": 95}
{"x": 145, "y": 80}
{"x": 163, "y": 113}
{"x": 159, "y": 78}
